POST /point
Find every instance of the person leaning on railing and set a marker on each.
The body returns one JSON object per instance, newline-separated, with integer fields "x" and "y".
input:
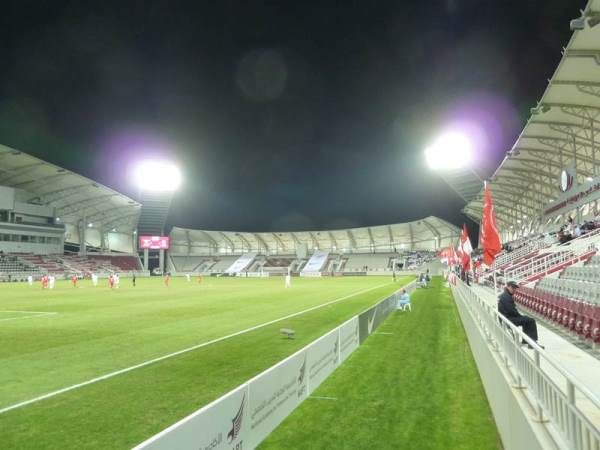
{"x": 507, "y": 307}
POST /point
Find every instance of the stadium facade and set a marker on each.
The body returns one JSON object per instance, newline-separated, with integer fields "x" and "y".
{"x": 49, "y": 214}
{"x": 44, "y": 207}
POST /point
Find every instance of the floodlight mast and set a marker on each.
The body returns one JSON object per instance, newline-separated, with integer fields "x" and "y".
{"x": 157, "y": 181}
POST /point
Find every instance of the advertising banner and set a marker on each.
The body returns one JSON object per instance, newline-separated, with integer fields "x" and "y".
{"x": 323, "y": 358}
{"x": 241, "y": 263}
{"x": 222, "y": 424}
{"x": 274, "y": 394}
{"x": 348, "y": 338}
{"x": 316, "y": 262}
{"x": 573, "y": 197}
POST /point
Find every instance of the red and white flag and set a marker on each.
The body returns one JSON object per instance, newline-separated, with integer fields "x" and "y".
{"x": 466, "y": 249}
{"x": 490, "y": 239}
{"x": 448, "y": 255}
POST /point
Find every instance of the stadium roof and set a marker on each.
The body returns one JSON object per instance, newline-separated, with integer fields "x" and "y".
{"x": 427, "y": 234}
{"x": 563, "y": 128}
{"x": 74, "y": 196}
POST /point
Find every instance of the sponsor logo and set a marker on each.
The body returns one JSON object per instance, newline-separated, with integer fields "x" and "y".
{"x": 236, "y": 422}
{"x": 302, "y": 379}
{"x": 336, "y": 352}
{"x": 216, "y": 442}
{"x": 371, "y": 321}
{"x": 302, "y": 373}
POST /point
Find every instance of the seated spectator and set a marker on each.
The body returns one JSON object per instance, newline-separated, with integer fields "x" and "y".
{"x": 507, "y": 307}
{"x": 404, "y": 301}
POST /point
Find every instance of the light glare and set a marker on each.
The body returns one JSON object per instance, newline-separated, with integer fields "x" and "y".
{"x": 451, "y": 150}
{"x": 157, "y": 176}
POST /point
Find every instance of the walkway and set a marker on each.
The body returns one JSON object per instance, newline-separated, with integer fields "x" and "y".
{"x": 583, "y": 366}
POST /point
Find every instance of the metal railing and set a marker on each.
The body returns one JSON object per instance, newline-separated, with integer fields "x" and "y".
{"x": 540, "y": 264}
{"x": 510, "y": 257}
{"x": 559, "y": 404}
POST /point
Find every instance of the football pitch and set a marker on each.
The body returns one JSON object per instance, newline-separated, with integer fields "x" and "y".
{"x": 90, "y": 367}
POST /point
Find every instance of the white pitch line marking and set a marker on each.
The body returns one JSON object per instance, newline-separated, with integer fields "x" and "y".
{"x": 322, "y": 398}
{"x": 29, "y": 317}
{"x": 25, "y": 312}
{"x": 179, "y": 352}
{"x": 381, "y": 332}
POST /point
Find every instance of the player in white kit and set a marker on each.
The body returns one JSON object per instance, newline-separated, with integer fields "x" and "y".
{"x": 117, "y": 280}
{"x": 30, "y": 280}
{"x": 188, "y": 277}
{"x": 95, "y": 279}
{"x": 288, "y": 280}
{"x": 51, "y": 280}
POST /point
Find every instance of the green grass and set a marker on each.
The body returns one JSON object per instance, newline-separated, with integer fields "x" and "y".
{"x": 97, "y": 331}
{"x": 417, "y": 388}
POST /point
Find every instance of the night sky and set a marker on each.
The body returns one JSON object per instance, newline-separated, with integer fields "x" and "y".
{"x": 282, "y": 115}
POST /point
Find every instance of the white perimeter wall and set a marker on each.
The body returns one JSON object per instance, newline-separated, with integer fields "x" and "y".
{"x": 513, "y": 415}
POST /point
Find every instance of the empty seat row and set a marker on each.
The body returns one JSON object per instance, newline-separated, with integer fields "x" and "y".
{"x": 586, "y": 291}
{"x": 580, "y": 318}
{"x": 594, "y": 261}
{"x": 585, "y": 273}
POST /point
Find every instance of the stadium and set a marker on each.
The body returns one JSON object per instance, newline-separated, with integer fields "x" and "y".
{"x": 126, "y": 322}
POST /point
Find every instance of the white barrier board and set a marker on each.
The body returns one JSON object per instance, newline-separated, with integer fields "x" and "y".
{"x": 348, "y": 338}
{"x": 274, "y": 394}
{"x": 323, "y": 358}
{"x": 222, "y": 424}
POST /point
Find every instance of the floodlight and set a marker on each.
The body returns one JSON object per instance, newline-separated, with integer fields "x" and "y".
{"x": 90, "y": 225}
{"x": 590, "y": 179}
{"x": 157, "y": 176}
{"x": 577, "y": 24}
{"x": 452, "y": 150}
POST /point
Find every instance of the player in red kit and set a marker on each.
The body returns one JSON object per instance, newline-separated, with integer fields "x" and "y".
{"x": 74, "y": 280}
{"x": 166, "y": 279}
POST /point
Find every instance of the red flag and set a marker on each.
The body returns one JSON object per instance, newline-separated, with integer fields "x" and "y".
{"x": 466, "y": 249}
{"x": 490, "y": 239}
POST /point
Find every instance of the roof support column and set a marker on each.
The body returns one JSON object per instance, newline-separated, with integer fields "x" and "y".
{"x": 371, "y": 240}
{"x": 594, "y": 171}
{"x": 82, "y": 228}
{"x": 189, "y": 242}
{"x": 103, "y": 239}
{"x": 574, "y": 155}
